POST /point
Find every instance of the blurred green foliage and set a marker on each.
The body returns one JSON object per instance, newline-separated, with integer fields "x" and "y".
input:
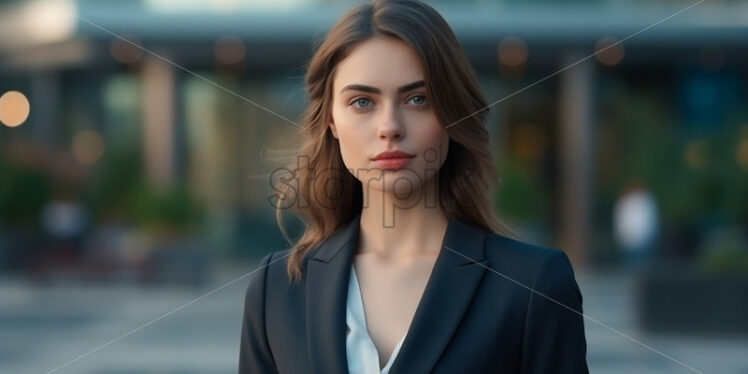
{"x": 697, "y": 172}
{"x": 520, "y": 195}
{"x": 120, "y": 190}
{"x": 726, "y": 252}
{"x": 23, "y": 193}
{"x": 727, "y": 261}
{"x": 173, "y": 208}
{"x": 118, "y": 173}
{"x": 114, "y": 190}
{"x": 692, "y": 176}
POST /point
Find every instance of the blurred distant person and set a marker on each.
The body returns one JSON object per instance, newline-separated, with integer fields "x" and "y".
{"x": 64, "y": 221}
{"x": 636, "y": 223}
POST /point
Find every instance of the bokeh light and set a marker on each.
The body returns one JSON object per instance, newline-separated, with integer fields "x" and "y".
{"x": 230, "y": 50}
{"x": 530, "y": 141}
{"x": 88, "y": 146}
{"x": 127, "y": 50}
{"x": 609, "y": 51}
{"x": 14, "y": 108}
{"x": 512, "y": 51}
{"x": 741, "y": 154}
{"x": 696, "y": 154}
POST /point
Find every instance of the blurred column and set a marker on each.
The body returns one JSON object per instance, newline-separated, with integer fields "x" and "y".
{"x": 45, "y": 96}
{"x": 158, "y": 120}
{"x": 576, "y": 156}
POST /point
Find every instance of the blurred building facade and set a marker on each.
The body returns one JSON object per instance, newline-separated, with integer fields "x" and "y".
{"x": 155, "y": 101}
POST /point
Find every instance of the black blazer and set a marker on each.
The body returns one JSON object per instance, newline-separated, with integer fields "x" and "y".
{"x": 470, "y": 319}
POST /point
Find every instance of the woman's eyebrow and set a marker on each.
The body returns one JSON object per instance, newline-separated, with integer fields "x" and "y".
{"x": 370, "y": 89}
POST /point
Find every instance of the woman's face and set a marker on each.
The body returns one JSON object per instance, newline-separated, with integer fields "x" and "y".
{"x": 380, "y": 104}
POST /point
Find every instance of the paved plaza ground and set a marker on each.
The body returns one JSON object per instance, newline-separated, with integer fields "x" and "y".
{"x": 44, "y": 327}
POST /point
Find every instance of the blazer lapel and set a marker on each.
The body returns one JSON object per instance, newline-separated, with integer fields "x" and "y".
{"x": 448, "y": 293}
{"x": 328, "y": 273}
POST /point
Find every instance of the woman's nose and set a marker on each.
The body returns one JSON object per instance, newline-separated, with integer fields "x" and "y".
{"x": 390, "y": 126}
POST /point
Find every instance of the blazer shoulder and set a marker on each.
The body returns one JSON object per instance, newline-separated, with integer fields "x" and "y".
{"x": 276, "y": 273}
{"x": 553, "y": 336}
{"x": 276, "y": 263}
{"x": 503, "y": 249}
{"x": 527, "y": 260}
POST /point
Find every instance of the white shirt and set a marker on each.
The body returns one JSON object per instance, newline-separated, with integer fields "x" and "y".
{"x": 363, "y": 357}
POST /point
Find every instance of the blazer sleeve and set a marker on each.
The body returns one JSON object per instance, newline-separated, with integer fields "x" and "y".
{"x": 255, "y": 356}
{"x": 554, "y": 340}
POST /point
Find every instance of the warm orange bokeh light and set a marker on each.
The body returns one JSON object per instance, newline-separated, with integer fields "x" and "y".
{"x": 696, "y": 154}
{"x": 126, "y": 50}
{"x": 512, "y": 51}
{"x": 230, "y": 50}
{"x": 609, "y": 51}
{"x": 14, "y": 108}
{"x": 741, "y": 155}
{"x": 88, "y": 146}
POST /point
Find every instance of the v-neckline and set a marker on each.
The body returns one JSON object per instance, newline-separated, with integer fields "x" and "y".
{"x": 360, "y": 302}
{"x": 454, "y": 280}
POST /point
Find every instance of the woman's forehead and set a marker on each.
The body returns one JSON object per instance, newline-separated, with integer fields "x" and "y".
{"x": 386, "y": 64}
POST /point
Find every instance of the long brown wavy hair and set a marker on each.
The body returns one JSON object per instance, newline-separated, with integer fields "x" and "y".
{"x": 468, "y": 178}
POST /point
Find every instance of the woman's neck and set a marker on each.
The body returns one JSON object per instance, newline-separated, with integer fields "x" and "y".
{"x": 401, "y": 233}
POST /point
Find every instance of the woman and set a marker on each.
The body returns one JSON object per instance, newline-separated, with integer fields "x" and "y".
{"x": 403, "y": 268}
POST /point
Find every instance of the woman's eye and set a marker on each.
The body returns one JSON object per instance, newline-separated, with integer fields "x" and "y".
{"x": 421, "y": 99}
{"x": 361, "y": 100}
{"x": 363, "y": 103}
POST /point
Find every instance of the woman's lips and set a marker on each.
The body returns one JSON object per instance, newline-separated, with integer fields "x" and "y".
{"x": 393, "y": 163}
